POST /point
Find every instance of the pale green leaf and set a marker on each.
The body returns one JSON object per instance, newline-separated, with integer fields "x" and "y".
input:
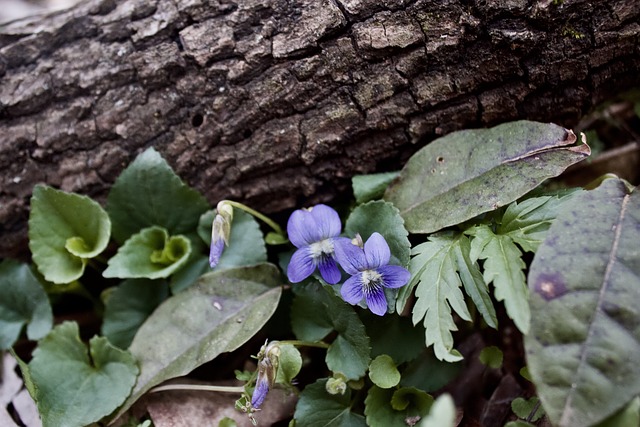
{"x": 491, "y": 356}
{"x": 150, "y": 254}
{"x": 289, "y": 365}
{"x": 383, "y": 372}
{"x": 583, "y": 350}
{"x": 65, "y": 230}
{"x": 76, "y": 387}
{"x": 318, "y": 408}
{"x": 372, "y": 186}
{"x": 149, "y": 193}
{"x": 629, "y": 416}
{"x": 411, "y": 400}
{"x": 218, "y": 314}
{"x": 466, "y": 173}
{"x": 23, "y": 301}
{"x": 128, "y": 307}
{"x": 442, "y": 413}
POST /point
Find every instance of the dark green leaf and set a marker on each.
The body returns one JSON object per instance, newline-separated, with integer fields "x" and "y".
{"x": 76, "y": 387}
{"x": 466, "y": 173}
{"x": 428, "y": 373}
{"x": 372, "y": 186}
{"x": 318, "y": 408}
{"x": 583, "y": 349}
{"x": 411, "y": 400}
{"x": 149, "y": 193}
{"x": 218, "y": 314}
{"x": 384, "y": 331}
{"x": 65, "y": 230}
{"x": 149, "y": 254}
{"x": 22, "y": 302}
{"x": 379, "y": 411}
{"x": 196, "y": 266}
{"x": 524, "y": 408}
{"x": 491, "y": 356}
{"x": 129, "y": 306}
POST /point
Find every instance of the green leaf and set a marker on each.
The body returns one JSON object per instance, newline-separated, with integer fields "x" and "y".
{"x": 129, "y": 306}
{"x": 491, "y": 356}
{"x": 246, "y": 242}
{"x": 437, "y": 287}
{"x": 218, "y": 314}
{"x": 524, "y": 408}
{"x": 379, "y": 411}
{"x": 149, "y": 254}
{"x": 583, "y": 350}
{"x": 188, "y": 274}
{"x": 518, "y": 423}
{"x": 382, "y": 217}
{"x": 629, "y": 416}
{"x": 428, "y": 373}
{"x": 372, "y": 186}
{"x": 411, "y": 400}
{"x": 65, "y": 230}
{"x": 466, "y": 173}
{"x": 149, "y": 193}
{"x": 316, "y": 312}
{"x": 290, "y": 363}
{"x": 503, "y": 266}
{"x": 442, "y": 413}
{"x": 317, "y": 408}
{"x": 383, "y": 372}
{"x": 22, "y": 302}
{"x": 74, "y": 387}
{"x": 383, "y": 332}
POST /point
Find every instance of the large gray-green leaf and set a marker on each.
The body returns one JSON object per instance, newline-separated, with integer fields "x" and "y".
{"x": 466, "y": 173}
{"x": 76, "y": 387}
{"x": 23, "y": 301}
{"x": 218, "y": 314}
{"x": 149, "y": 193}
{"x": 65, "y": 230}
{"x": 583, "y": 349}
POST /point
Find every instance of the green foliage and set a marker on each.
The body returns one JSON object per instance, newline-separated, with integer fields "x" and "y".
{"x": 316, "y": 407}
{"x": 316, "y": 312}
{"x": 383, "y": 372}
{"x": 65, "y": 230}
{"x": 629, "y": 416}
{"x": 290, "y": 363}
{"x": 390, "y": 407}
{"x": 149, "y": 193}
{"x": 219, "y": 313}
{"x": 527, "y": 409}
{"x": 372, "y": 186}
{"x": 466, "y": 173}
{"x": 128, "y": 307}
{"x": 383, "y": 332}
{"x": 492, "y": 357}
{"x": 429, "y": 373}
{"x": 76, "y": 387}
{"x": 22, "y": 302}
{"x": 582, "y": 349}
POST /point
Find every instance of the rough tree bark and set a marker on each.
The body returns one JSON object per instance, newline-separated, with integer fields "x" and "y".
{"x": 278, "y": 102}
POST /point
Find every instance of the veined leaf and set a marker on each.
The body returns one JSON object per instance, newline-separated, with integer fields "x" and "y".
{"x": 218, "y": 314}
{"x": 583, "y": 349}
{"x": 434, "y": 275}
{"x": 371, "y": 186}
{"x": 149, "y": 193}
{"x": 504, "y": 266}
{"x": 466, "y": 173}
{"x": 65, "y": 230}
{"x": 317, "y": 408}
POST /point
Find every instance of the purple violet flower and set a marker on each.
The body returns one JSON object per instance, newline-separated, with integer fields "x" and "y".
{"x": 369, "y": 272}
{"x": 220, "y": 232}
{"x": 260, "y": 392}
{"x": 314, "y": 232}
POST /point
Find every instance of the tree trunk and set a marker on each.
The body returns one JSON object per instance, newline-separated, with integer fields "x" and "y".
{"x": 278, "y": 103}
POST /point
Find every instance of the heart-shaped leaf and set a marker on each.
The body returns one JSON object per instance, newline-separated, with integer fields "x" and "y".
{"x": 583, "y": 349}
{"x": 65, "y": 230}
{"x": 218, "y": 314}
{"x": 383, "y": 372}
{"x": 22, "y": 302}
{"x": 150, "y": 254}
{"x": 149, "y": 193}
{"x": 466, "y": 173}
{"x": 74, "y": 387}
{"x": 316, "y": 407}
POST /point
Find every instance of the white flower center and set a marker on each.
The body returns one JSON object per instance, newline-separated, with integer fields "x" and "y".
{"x": 371, "y": 280}
{"x": 321, "y": 250}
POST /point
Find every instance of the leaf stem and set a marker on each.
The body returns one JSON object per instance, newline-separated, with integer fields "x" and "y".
{"x": 258, "y": 215}
{"x": 299, "y": 343}
{"x": 198, "y": 387}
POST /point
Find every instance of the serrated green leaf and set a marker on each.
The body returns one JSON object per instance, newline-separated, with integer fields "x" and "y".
{"x": 383, "y": 332}
{"x": 466, "y": 173}
{"x": 129, "y": 306}
{"x": 583, "y": 350}
{"x": 290, "y": 363}
{"x": 317, "y": 408}
{"x": 503, "y": 266}
{"x": 442, "y": 413}
{"x": 383, "y": 372}
{"x": 149, "y": 193}
{"x": 149, "y": 254}
{"x": 218, "y": 314}
{"x": 65, "y": 230}
{"x": 437, "y": 288}
{"x": 316, "y": 312}
{"x": 22, "y": 302}
{"x": 524, "y": 408}
{"x": 372, "y": 186}
{"x": 76, "y": 387}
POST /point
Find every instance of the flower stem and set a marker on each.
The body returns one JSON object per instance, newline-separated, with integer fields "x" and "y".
{"x": 299, "y": 343}
{"x": 197, "y": 387}
{"x": 258, "y": 215}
